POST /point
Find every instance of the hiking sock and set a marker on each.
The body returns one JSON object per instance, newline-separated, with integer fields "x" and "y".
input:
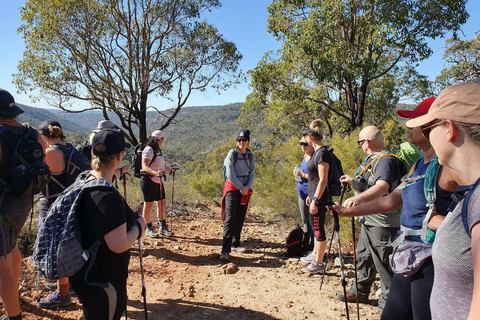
{"x": 64, "y": 289}
{"x": 149, "y": 225}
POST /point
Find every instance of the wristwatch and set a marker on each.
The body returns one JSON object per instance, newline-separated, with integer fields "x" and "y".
{"x": 315, "y": 200}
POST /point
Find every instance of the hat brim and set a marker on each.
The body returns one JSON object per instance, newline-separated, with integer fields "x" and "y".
{"x": 410, "y": 114}
{"x": 98, "y": 130}
{"x": 420, "y": 121}
{"x": 12, "y": 111}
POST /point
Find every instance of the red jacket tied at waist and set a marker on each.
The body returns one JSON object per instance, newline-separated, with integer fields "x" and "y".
{"x": 228, "y": 187}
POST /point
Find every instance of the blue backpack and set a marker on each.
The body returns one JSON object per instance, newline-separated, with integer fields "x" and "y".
{"x": 58, "y": 251}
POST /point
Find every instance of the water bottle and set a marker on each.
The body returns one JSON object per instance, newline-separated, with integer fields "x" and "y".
{"x": 295, "y": 172}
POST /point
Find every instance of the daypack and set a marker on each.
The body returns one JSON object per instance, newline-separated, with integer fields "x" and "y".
{"x": 408, "y": 154}
{"x": 335, "y": 172}
{"x": 137, "y": 160}
{"x": 430, "y": 192}
{"x": 27, "y": 169}
{"x": 58, "y": 251}
{"x": 295, "y": 242}
{"x": 249, "y": 160}
{"x": 75, "y": 163}
{"x": 86, "y": 149}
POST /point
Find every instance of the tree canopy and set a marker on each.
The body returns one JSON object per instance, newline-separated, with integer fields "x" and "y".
{"x": 114, "y": 54}
{"x": 344, "y": 60}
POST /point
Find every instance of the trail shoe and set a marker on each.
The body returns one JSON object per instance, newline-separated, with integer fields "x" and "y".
{"x": 164, "y": 230}
{"x": 52, "y": 286}
{"x": 314, "y": 268}
{"x": 224, "y": 256}
{"x": 151, "y": 233}
{"x": 352, "y": 297}
{"x": 309, "y": 258}
{"x": 55, "y": 300}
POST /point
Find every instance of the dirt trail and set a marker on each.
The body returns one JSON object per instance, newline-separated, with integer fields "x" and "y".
{"x": 185, "y": 279}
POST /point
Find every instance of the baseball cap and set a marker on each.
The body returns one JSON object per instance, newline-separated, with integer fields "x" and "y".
{"x": 105, "y": 124}
{"x": 244, "y": 134}
{"x": 158, "y": 134}
{"x": 420, "y": 110}
{"x": 303, "y": 140}
{"x": 107, "y": 142}
{"x": 44, "y": 126}
{"x": 8, "y": 107}
{"x": 460, "y": 102}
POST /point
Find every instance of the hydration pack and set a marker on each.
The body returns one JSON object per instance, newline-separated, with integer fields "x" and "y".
{"x": 137, "y": 160}
{"x": 75, "y": 163}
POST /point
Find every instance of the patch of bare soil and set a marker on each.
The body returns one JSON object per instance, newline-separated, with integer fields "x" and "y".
{"x": 185, "y": 279}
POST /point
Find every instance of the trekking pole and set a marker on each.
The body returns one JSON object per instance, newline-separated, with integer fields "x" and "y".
{"x": 336, "y": 226}
{"x": 355, "y": 264}
{"x": 161, "y": 206}
{"x": 144, "y": 290}
{"x": 173, "y": 190}
{"x": 344, "y": 189}
{"x": 125, "y": 185}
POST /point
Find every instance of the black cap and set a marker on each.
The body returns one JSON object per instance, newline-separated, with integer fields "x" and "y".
{"x": 244, "y": 134}
{"x": 44, "y": 126}
{"x": 108, "y": 142}
{"x": 8, "y": 107}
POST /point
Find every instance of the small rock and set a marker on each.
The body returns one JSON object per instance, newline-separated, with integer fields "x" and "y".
{"x": 230, "y": 268}
{"x": 214, "y": 256}
{"x": 337, "y": 262}
{"x": 350, "y": 274}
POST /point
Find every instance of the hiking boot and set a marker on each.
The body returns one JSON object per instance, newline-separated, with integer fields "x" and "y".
{"x": 314, "y": 268}
{"x": 164, "y": 230}
{"x": 239, "y": 249}
{"x": 309, "y": 258}
{"x": 352, "y": 297}
{"x": 224, "y": 256}
{"x": 55, "y": 300}
{"x": 151, "y": 233}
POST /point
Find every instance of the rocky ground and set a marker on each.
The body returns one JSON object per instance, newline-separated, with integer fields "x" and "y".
{"x": 185, "y": 279}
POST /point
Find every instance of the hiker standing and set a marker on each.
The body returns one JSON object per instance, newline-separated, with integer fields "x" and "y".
{"x": 103, "y": 214}
{"x": 302, "y": 187}
{"x": 379, "y": 174}
{"x": 54, "y": 138}
{"x": 318, "y": 172}
{"x": 412, "y": 281}
{"x": 13, "y": 209}
{"x": 453, "y": 124}
{"x": 151, "y": 183}
{"x": 239, "y": 173}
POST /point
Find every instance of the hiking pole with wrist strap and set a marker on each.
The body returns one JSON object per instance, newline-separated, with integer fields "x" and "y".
{"x": 144, "y": 290}
{"x": 344, "y": 189}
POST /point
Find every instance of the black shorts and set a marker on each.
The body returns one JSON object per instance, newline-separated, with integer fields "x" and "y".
{"x": 151, "y": 191}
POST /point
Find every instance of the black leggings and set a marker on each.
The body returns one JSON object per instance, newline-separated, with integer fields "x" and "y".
{"x": 318, "y": 223}
{"x": 409, "y": 297}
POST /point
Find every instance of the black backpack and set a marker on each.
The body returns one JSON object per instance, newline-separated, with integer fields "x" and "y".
{"x": 137, "y": 160}
{"x": 75, "y": 162}
{"x": 295, "y": 242}
{"x": 28, "y": 168}
{"x": 335, "y": 172}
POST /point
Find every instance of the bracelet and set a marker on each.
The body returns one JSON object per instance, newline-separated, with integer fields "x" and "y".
{"x": 139, "y": 227}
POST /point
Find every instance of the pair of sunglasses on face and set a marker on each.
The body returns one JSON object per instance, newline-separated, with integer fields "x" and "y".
{"x": 426, "y": 129}
{"x": 241, "y": 140}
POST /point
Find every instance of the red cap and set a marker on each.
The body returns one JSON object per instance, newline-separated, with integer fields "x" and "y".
{"x": 420, "y": 110}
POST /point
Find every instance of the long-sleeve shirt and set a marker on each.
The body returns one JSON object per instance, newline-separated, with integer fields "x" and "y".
{"x": 241, "y": 172}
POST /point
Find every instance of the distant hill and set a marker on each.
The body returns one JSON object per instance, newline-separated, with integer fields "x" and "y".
{"x": 195, "y": 132}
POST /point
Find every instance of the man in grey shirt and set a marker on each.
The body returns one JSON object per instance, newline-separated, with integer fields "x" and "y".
{"x": 378, "y": 175}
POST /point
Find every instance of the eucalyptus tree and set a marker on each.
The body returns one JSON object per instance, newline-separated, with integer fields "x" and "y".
{"x": 112, "y": 55}
{"x": 344, "y": 59}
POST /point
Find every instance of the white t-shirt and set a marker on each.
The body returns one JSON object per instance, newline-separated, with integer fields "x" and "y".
{"x": 158, "y": 164}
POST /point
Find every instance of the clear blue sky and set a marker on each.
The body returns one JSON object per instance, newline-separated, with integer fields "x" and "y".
{"x": 241, "y": 21}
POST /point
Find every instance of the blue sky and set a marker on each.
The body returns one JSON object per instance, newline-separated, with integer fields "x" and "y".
{"x": 241, "y": 21}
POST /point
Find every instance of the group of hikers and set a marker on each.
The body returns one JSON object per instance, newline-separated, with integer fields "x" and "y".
{"x": 419, "y": 228}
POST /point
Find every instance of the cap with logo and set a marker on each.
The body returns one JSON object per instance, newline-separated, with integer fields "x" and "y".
{"x": 108, "y": 142}
{"x": 8, "y": 107}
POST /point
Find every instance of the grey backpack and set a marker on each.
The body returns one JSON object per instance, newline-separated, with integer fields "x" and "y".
{"x": 58, "y": 251}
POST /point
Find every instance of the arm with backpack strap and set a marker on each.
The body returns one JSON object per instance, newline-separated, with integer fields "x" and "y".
{"x": 229, "y": 165}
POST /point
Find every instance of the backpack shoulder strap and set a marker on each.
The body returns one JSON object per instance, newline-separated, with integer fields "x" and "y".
{"x": 465, "y": 205}
{"x": 374, "y": 162}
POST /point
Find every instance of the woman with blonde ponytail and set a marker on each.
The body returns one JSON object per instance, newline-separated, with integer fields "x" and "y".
{"x": 318, "y": 172}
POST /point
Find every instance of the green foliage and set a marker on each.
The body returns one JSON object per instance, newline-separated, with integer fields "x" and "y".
{"x": 394, "y": 134}
{"x": 342, "y": 61}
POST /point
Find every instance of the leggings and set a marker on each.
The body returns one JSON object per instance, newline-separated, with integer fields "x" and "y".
{"x": 318, "y": 223}
{"x": 409, "y": 297}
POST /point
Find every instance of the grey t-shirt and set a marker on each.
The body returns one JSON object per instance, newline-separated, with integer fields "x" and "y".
{"x": 387, "y": 169}
{"x": 452, "y": 258}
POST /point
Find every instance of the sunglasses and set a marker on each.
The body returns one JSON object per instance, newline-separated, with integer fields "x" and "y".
{"x": 304, "y": 144}
{"x": 242, "y": 140}
{"x": 428, "y": 128}
{"x": 360, "y": 142}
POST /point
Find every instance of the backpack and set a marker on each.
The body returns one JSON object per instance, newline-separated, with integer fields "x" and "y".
{"x": 249, "y": 160}
{"x": 75, "y": 163}
{"x": 58, "y": 251}
{"x": 137, "y": 160}
{"x": 295, "y": 242}
{"x": 408, "y": 154}
{"x": 27, "y": 169}
{"x": 334, "y": 173}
